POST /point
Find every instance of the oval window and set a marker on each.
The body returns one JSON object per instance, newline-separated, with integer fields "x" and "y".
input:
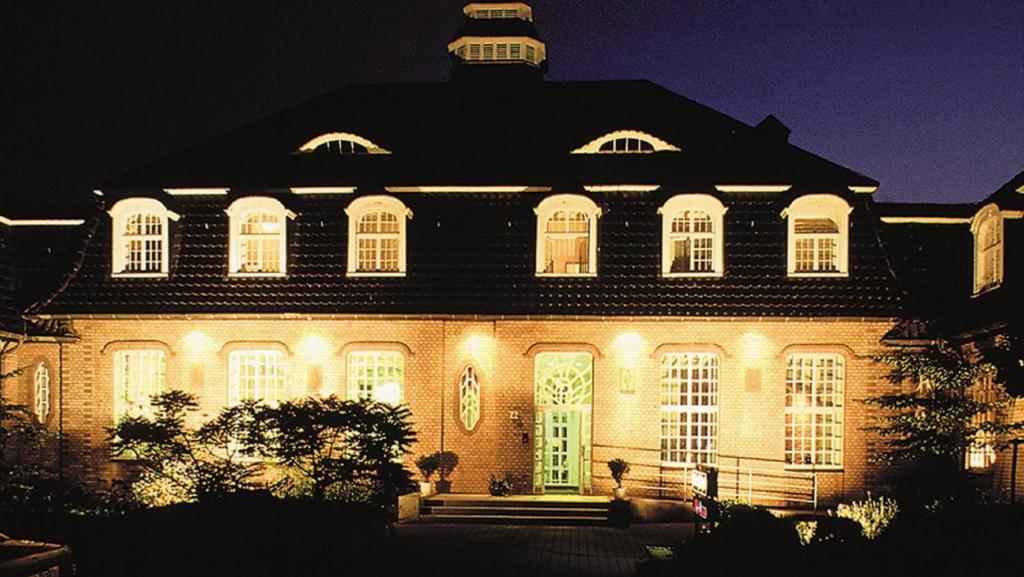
{"x": 469, "y": 398}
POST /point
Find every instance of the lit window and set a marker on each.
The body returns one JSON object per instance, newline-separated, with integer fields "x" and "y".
{"x": 981, "y": 454}
{"x": 689, "y": 408}
{"x": 625, "y": 142}
{"x": 139, "y": 237}
{"x": 138, "y": 375}
{"x": 531, "y": 54}
{"x": 41, "y": 380}
{"x": 818, "y": 226}
{"x": 692, "y": 233}
{"x": 469, "y": 399}
{"x": 987, "y": 229}
{"x": 814, "y": 410}
{"x": 258, "y": 237}
{"x": 567, "y": 236}
{"x": 377, "y": 375}
{"x": 377, "y": 236}
{"x": 342, "y": 143}
{"x": 256, "y": 375}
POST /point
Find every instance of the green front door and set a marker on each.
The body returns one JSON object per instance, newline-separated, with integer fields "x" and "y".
{"x": 563, "y": 394}
{"x": 562, "y": 449}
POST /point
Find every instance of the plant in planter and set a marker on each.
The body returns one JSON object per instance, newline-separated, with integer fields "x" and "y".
{"x": 500, "y": 487}
{"x": 446, "y": 463}
{"x": 619, "y": 469}
{"x": 428, "y": 465}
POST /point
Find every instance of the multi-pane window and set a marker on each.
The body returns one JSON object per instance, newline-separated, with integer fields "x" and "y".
{"x": 139, "y": 243}
{"x": 378, "y": 375}
{"x": 567, "y": 243}
{"x": 343, "y": 147}
{"x": 627, "y": 145}
{"x": 814, "y": 410}
{"x": 689, "y": 408}
{"x": 625, "y": 142}
{"x": 817, "y": 245}
{"x": 988, "y": 248}
{"x": 138, "y": 375}
{"x": 342, "y": 143}
{"x": 41, "y": 382}
{"x": 692, "y": 239}
{"x": 256, "y": 375}
{"x": 981, "y": 454}
{"x": 378, "y": 239}
{"x": 469, "y": 398}
{"x": 260, "y": 242}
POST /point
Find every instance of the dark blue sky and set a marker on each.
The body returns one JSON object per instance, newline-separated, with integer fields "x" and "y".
{"x": 926, "y": 97}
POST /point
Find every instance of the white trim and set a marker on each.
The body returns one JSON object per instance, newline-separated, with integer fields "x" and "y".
{"x": 621, "y": 187}
{"x": 236, "y": 214}
{"x": 500, "y": 188}
{"x": 323, "y": 189}
{"x": 862, "y": 189}
{"x": 376, "y": 203}
{"x": 985, "y": 280}
{"x": 566, "y": 202}
{"x": 594, "y": 146}
{"x": 196, "y": 191}
{"x": 753, "y": 187}
{"x": 317, "y": 141}
{"x": 1012, "y": 214}
{"x": 925, "y": 220}
{"x": 97, "y": 192}
{"x": 119, "y": 213}
{"x": 811, "y": 206}
{"x": 41, "y": 222}
{"x": 524, "y": 10}
{"x": 539, "y": 49}
{"x": 698, "y": 202}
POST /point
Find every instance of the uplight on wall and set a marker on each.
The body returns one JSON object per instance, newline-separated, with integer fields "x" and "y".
{"x": 313, "y": 349}
{"x": 196, "y": 344}
{"x": 628, "y": 349}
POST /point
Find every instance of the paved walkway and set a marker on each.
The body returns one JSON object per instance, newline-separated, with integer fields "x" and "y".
{"x": 499, "y": 550}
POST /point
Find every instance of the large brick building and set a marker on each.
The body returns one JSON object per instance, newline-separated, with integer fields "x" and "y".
{"x": 549, "y": 274}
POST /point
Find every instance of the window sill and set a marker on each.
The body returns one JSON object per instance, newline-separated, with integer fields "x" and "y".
{"x": 357, "y": 274}
{"x": 257, "y": 274}
{"x": 691, "y": 274}
{"x": 840, "y": 274}
{"x": 986, "y": 289}
{"x": 815, "y": 468}
{"x": 138, "y": 275}
{"x": 566, "y": 275}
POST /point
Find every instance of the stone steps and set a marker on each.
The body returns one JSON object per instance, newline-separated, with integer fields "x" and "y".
{"x": 512, "y": 511}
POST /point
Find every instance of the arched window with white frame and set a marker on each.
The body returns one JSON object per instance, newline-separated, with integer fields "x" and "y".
{"x": 818, "y": 235}
{"x": 692, "y": 236}
{"x": 258, "y": 226}
{"x": 139, "y": 242}
{"x": 342, "y": 143}
{"x": 987, "y": 229}
{"x": 377, "y": 236}
{"x": 567, "y": 236}
{"x": 626, "y": 142}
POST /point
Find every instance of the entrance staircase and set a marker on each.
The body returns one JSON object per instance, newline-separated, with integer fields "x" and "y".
{"x": 516, "y": 509}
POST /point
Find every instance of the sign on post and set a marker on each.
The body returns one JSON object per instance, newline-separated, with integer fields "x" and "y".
{"x": 705, "y": 490}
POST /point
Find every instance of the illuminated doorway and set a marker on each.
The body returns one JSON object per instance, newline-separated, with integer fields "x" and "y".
{"x": 563, "y": 394}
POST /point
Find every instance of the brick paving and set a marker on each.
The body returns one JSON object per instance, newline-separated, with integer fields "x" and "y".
{"x": 537, "y": 551}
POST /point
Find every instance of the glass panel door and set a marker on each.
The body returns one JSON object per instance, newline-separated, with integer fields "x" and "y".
{"x": 562, "y": 449}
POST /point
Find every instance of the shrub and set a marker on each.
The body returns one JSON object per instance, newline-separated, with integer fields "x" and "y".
{"x": 873, "y": 515}
{"x": 447, "y": 461}
{"x": 805, "y": 531}
{"x": 500, "y": 487}
{"x": 838, "y": 530}
{"x": 428, "y": 465}
{"x": 619, "y": 469}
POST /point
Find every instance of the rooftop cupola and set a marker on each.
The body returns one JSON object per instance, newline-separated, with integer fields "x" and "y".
{"x": 497, "y": 41}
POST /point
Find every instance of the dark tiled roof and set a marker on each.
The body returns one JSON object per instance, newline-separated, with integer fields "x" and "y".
{"x": 915, "y": 209}
{"x": 933, "y": 263}
{"x": 474, "y": 254}
{"x": 10, "y": 317}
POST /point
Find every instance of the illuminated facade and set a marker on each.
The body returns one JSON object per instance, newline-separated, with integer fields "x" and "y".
{"x": 547, "y": 285}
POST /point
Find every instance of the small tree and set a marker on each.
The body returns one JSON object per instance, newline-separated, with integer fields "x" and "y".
{"x": 619, "y": 469}
{"x": 195, "y": 464}
{"x": 24, "y": 485}
{"x": 427, "y": 464}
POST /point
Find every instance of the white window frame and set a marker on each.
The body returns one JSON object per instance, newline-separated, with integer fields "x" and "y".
{"x": 237, "y": 213}
{"x": 987, "y": 230}
{"x": 138, "y": 375}
{"x": 814, "y": 206}
{"x": 594, "y": 146}
{"x": 120, "y": 214}
{"x": 318, "y": 141}
{"x": 41, "y": 392}
{"x": 697, "y": 377}
{"x": 813, "y": 402}
{"x": 367, "y": 370}
{"x": 685, "y": 203}
{"x": 376, "y": 203}
{"x": 470, "y": 406}
{"x": 265, "y": 371}
{"x": 564, "y": 203}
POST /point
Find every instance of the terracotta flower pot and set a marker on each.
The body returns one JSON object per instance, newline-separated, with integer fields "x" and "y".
{"x": 619, "y": 493}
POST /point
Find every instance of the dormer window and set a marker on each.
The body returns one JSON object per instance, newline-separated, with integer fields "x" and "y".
{"x": 139, "y": 227}
{"x": 625, "y": 142}
{"x": 692, "y": 236}
{"x": 258, "y": 237}
{"x": 818, "y": 236}
{"x": 567, "y": 236}
{"x": 342, "y": 143}
{"x": 376, "y": 236}
{"x": 987, "y": 228}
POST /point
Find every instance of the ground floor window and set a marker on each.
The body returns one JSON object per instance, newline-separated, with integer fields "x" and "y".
{"x": 689, "y": 408}
{"x": 138, "y": 375}
{"x": 378, "y": 375}
{"x": 256, "y": 375}
{"x": 814, "y": 410}
{"x": 41, "y": 381}
{"x": 469, "y": 398}
{"x": 981, "y": 454}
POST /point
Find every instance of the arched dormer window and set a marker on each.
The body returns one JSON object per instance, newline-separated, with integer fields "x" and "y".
{"x": 377, "y": 236}
{"x": 258, "y": 245}
{"x": 567, "y": 236}
{"x": 342, "y": 143}
{"x": 692, "y": 236}
{"x": 987, "y": 228}
{"x": 818, "y": 236}
{"x": 139, "y": 238}
{"x": 625, "y": 142}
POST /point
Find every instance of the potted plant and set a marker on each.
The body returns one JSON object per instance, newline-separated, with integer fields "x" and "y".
{"x": 428, "y": 465}
{"x": 446, "y": 463}
{"x": 619, "y": 469}
{"x": 500, "y": 487}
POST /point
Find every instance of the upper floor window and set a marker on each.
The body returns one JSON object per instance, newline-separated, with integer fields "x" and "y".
{"x": 526, "y": 50}
{"x": 987, "y": 228}
{"x": 567, "y": 236}
{"x": 41, "y": 382}
{"x": 138, "y": 375}
{"x": 258, "y": 237}
{"x": 691, "y": 236}
{"x": 343, "y": 143}
{"x": 815, "y": 385}
{"x": 377, "y": 236}
{"x": 818, "y": 236}
{"x": 256, "y": 375}
{"x": 625, "y": 142}
{"x": 500, "y": 10}
{"x": 139, "y": 237}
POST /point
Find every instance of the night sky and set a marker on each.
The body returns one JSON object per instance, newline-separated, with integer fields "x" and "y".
{"x": 925, "y": 96}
